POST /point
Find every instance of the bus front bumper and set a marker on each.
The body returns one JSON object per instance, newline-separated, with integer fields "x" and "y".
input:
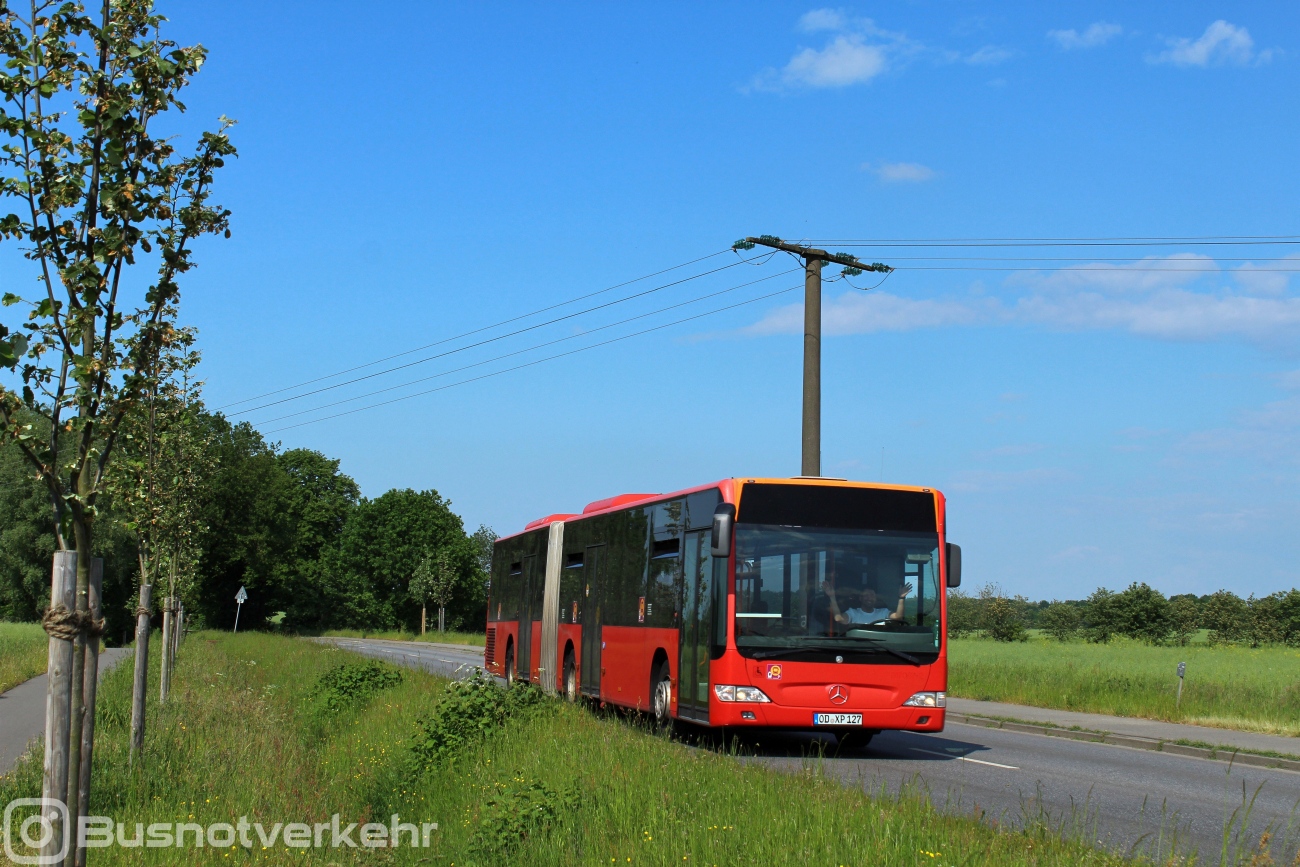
{"x": 770, "y": 715}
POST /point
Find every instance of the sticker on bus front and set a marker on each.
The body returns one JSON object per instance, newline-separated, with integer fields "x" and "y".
{"x": 773, "y": 671}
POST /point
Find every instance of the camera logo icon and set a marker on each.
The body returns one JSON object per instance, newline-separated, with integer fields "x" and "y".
{"x": 36, "y": 831}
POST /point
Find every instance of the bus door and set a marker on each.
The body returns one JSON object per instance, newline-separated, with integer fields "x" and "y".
{"x": 592, "y": 617}
{"x": 693, "y": 664}
{"x": 524, "y": 652}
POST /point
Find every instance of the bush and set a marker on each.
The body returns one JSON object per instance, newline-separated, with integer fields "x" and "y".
{"x": 1003, "y": 617}
{"x": 963, "y": 614}
{"x": 518, "y": 810}
{"x": 351, "y": 682}
{"x": 467, "y": 711}
{"x": 1060, "y": 620}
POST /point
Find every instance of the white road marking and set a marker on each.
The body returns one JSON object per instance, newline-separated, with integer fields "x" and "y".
{"x": 965, "y": 759}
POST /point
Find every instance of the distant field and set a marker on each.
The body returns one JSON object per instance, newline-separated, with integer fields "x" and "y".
{"x": 474, "y": 638}
{"x": 1226, "y": 687}
{"x": 24, "y": 652}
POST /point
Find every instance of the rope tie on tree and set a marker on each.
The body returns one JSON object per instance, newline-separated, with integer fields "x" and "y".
{"x": 66, "y": 625}
{"x": 141, "y": 611}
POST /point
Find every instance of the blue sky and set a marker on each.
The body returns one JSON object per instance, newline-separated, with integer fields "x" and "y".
{"x": 429, "y": 169}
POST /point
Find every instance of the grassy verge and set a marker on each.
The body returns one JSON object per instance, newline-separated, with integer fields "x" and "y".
{"x": 24, "y": 653}
{"x": 248, "y": 734}
{"x": 1226, "y": 687}
{"x": 474, "y": 638}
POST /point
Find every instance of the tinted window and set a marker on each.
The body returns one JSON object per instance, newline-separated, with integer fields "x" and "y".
{"x": 834, "y": 507}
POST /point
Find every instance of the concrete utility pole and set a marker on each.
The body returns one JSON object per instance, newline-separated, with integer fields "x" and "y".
{"x": 813, "y": 262}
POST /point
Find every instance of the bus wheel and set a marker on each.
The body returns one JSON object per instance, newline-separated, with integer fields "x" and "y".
{"x": 852, "y": 742}
{"x": 663, "y": 696}
{"x": 570, "y": 677}
{"x": 510, "y": 665}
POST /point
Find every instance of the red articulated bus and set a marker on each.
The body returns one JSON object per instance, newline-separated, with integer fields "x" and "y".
{"x": 802, "y": 603}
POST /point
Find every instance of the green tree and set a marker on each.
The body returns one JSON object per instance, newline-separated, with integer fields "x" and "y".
{"x": 435, "y": 581}
{"x": 1225, "y": 615}
{"x": 963, "y": 614}
{"x": 377, "y": 554}
{"x": 1143, "y": 613}
{"x": 317, "y": 503}
{"x": 1100, "y": 619}
{"x": 1185, "y": 614}
{"x": 1060, "y": 620}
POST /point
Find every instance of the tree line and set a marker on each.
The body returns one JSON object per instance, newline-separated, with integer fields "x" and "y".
{"x": 287, "y": 525}
{"x": 1138, "y": 612}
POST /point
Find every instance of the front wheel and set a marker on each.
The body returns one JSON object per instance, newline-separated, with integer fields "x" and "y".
{"x": 662, "y": 700}
{"x": 852, "y": 742}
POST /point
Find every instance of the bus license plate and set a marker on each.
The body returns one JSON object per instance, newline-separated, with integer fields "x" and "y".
{"x": 837, "y": 719}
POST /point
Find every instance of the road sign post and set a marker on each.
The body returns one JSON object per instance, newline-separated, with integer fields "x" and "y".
{"x": 1182, "y": 670}
{"x": 240, "y": 598}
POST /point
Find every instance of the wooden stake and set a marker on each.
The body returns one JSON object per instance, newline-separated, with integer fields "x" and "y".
{"x": 141, "y": 685}
{"x": 88, "y": 690}
{"x": 165, "y": 671}
{"x": 58, "y": 703}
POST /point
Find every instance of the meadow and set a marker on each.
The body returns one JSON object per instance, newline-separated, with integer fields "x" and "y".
{"x": 560, "y": 784}
{"x": 1251, "y": 689}
{"x": 24, "y": 653}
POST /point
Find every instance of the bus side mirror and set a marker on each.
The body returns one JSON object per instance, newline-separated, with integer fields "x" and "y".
{"x": 724, "y": 522}
{"x": 954, "y": 565}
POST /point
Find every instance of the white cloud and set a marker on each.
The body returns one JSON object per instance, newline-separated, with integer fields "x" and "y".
{"x": 1179, "y": 297}
{"x": 895, "y": 173}
{"x": 822, "y": 19}
{"x": 1221, "y": 44}
{"x": 866, "y": 312}
{"x": 988, "y": 56}
{"x": 845, "y": 60}
{"x": 1096, "y": 34}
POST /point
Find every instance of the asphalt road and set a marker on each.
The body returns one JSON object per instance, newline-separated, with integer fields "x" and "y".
{"x": 1120, "y": 798}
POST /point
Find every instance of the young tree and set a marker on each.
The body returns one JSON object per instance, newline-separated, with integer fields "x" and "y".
{"x": 97, "y": 191}
{"x": 1101, "y": 620}
{"x": 1185, "y": 613}
{"x": 964, "y": 615}
{"x": 1003, "y": 616}
{"x": 1060, "y": 620}
{"x": 434, "y": 581}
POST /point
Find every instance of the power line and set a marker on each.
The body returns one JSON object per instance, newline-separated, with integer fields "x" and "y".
{"x": 540, "y": 360}
{"x": 476, "y": 330}
{"x": 527, "y": 349}
{"x": 489, "y": 340}
{"x": 1054, "y": 243}
{"x": 1083, "y": 269}
{"x": 1150, "y": 239}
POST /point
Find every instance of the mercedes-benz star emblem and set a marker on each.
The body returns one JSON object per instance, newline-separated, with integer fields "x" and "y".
{"x": 839, "y": 694}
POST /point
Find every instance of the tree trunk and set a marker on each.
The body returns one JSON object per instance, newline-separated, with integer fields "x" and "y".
{"x": 141, "y": 685}
{"x": 164, "y": 668}
{"x": 89, "y": 688}
{"x": 442, "y": 617}
{"x": 423, "y": 611}
{"x": 58, "y": 699}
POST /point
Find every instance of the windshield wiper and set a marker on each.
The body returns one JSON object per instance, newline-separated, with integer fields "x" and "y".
{"x": 906, "y": 657}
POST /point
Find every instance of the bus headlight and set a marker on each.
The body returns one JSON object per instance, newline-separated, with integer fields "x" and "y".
{"x": 727, "y": 692}
{"x": 927, "y": 699}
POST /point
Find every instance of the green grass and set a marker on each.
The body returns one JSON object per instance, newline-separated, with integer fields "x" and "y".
{"x": 448, "y": 637}
{"x": 24, "y": 653}
{"x": 1226, "y": 687}
{"x": 622, "y": 794}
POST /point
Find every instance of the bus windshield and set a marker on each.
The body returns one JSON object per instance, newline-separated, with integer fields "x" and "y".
{"x": 810, "y": 592}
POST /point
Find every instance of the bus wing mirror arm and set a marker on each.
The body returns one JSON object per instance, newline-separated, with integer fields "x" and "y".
{"x": 724, "y": 523}
{"x": 954, "y": 565}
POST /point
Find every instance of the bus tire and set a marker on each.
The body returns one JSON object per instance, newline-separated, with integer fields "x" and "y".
{"x": 570, "y": 676}
{"x": 852, "y": 742}
{"x": 661, "y": 701}
{"x": 510, "y": 665}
